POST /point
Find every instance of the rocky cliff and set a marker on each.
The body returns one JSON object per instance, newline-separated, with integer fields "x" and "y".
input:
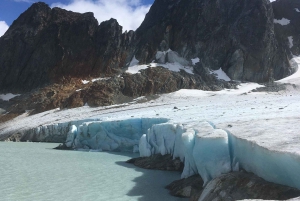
{"x": 237, "y": 35}
{"x": 287, "y": 24}
{"x": 46, "y": 45}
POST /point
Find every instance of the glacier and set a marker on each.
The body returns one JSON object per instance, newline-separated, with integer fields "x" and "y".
{"x": 211, "y": 132}
{"x": 205, "y": 149}
{"x": 123, "y": 135}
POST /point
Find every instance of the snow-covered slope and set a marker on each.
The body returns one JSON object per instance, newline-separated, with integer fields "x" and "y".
{"x": 213, "y": 132}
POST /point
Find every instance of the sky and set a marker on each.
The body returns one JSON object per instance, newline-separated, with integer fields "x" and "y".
{"x": 129, "y": 13}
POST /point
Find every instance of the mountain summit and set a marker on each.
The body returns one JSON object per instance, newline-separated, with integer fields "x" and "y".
{"x": 243, "y": 37}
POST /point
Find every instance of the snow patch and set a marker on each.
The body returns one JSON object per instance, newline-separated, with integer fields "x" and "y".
{"x": 85, "y": 81}
{"x": 221, "y": 75}
{"x": 294, "y": 77}
{"x": 194, "y": 61}
{"x": 134, "y": 62}
{"x": 8, "y": 96}
{"x": 136, "y": 69}
{"x": 176, "y": 67}
{"x": 175, "y": 63}
{"x": 282, "y": 21}
{"x": 297, "y": 10}
{"x": 100, "y": 78}
{"x": 290, "y": 38}
{"x": 95, "y": 79}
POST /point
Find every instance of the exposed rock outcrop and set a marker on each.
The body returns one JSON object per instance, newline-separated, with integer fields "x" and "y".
{"x": 237, "y": 35}
{"x": 287, "y": 25}
{"x": 158, "y": 162}
{"x": 242, "y": 185}
{"x": 45, "y": 45}
{"x": 71, "y": 93}
{"x": 189, "y": 187}
{"x": 231, "y": 186}
{"x": 47, "y": 52}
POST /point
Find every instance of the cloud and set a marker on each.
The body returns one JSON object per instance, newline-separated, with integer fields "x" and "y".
{"x": 3, "y": 27}
{"x": 129, "y": 13}
{"x": 26, "y": 1}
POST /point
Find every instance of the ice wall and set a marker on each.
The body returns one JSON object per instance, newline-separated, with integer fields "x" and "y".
{"x": 203, "y": 148}
{"x": 123, "y": 135}
{"x": 210, "y": 152}
{"x": 56, "y": 133}
{"x": 274, "y": 166}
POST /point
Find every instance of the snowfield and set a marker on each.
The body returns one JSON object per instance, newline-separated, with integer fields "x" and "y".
{"x": 212, "y": 132}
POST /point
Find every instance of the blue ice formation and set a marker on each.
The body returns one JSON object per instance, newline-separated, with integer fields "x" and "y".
{"x": 123, "y": 135}
{"x": 56, "y": 133}
{"x": 274, "y": 166}
{"x": 204, "y": 149}
{"x": 210, "y": 152}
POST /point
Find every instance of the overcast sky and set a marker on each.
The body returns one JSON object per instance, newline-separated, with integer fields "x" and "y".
{"x": 129, "y": 13}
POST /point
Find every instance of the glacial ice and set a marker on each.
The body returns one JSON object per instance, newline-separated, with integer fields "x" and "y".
{"x": 204, "y": 149}
{"x": 211, "y": 152}
{"x": 273, "y": 156}
{"x": 273, "y": 166}
{"x": 110, "y": 135}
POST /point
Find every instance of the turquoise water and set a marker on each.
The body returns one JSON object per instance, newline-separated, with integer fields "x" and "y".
{"x": 34, "y": 171}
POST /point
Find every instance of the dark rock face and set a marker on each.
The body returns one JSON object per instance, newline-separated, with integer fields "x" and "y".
{"x": 242, "y": 185}
{"x": 71, "y": 93}
{"x": 189, "y": 187}
{"x": 158, "y": 162}
{"x": 230, "y": 187}
{"x": 237, "y": 35}
{"x": 290, "y": 10}
{"x": 47, "y": 45}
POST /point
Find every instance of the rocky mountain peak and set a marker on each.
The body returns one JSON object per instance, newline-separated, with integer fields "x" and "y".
{"x": 235, "y": 35}
{"x": 45, "y": 45}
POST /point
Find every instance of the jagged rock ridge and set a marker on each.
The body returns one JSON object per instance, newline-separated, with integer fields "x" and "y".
{"x": 46, "y": 45}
